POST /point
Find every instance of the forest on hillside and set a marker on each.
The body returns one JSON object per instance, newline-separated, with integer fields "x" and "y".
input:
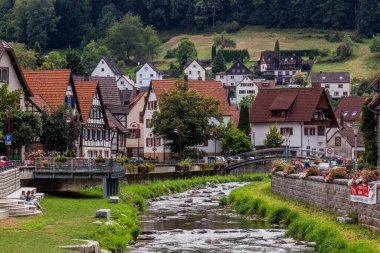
{"x": 51, "y": 24}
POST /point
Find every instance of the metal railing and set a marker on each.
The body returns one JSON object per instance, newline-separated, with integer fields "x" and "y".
{"x": 8, "y": 166}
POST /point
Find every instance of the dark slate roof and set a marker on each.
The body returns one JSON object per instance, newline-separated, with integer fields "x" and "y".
{"x": 301, "y": 102}
{"x": 351, "y": 108}
{"x": 330, "y": 77}
{"x": 125, "y": 96}
{"x": 152, "y": 66}
{"x": 113, "y": 66}
{"x": 238, "y": 68}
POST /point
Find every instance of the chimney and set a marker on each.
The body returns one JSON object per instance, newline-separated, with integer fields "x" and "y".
{"x": 86, "y": 77}
{"x": 186, "y": 77}
{"x": 341, "y": 120}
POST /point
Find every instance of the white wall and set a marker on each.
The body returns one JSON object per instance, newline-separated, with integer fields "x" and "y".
{"x": 14, "y": 82}
{"x": 194, "y": 71}
{"x": 103, "y": 70}
{"x": 145, "y": 75}
{"x": 246, "y": 89}
{"x": 230, "y": 80}
{"x": 124, "y": 84}
{"x": 335, "y": 91}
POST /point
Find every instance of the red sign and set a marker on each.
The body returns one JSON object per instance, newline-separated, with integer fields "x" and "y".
{"x": 363, "y": 193}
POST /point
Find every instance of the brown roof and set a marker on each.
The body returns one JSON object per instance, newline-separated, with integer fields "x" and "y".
{"x": 208, "y": 88}
{"x": 85, "y": 92}
{"x": 136, "y": 99}
{"x": 267, "y": 84}
{"x": 51, "y": 85}
{"x": 39, "y": 103}
{"x": 374, "y": 101}
{"x": 350, "y": 107}
{"x": 348, "y": 133}
{"x": 330, "y": 77}
{"x": 303, "y": 103}
{"x": 374, "y": 82}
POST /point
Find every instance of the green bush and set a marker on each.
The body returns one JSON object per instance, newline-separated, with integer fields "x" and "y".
{"x": 300, "y": 52}
{"x": 230, "y": 55}
{"x": 122, "y": 159}
{"x": 60, "y": 159}
{"x": 100, "y": 159}
{"x": 170, "y": 54}
{"x": 232, "y": 27}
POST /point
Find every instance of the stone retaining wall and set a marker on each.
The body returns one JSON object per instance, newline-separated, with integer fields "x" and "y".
{"x": 9, "y": 182}
{"x": 333, "y": 197}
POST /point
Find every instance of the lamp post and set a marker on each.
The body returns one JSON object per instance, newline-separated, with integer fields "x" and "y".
{"x": 355, "y": 127}
{"x": 286, "y": 134}
{"x": 179, "y": 132}
{"x": 212, "y": 134}
{"x": 8, "y": 146}
{"x": 71, "y": 119}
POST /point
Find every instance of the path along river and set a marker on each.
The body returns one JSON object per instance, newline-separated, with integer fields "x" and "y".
{"x": 193, "y": 222}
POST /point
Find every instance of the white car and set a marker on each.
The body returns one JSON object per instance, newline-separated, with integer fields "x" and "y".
{"x": 293, "y": 85}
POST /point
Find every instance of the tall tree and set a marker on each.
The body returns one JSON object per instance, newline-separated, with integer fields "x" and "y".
{"x": 91, "y": 55}
{"x": 234, "y": 140}
{"x": 218, "y": 64}
{"x": 54, "y": 60}
{"x": 185, "y": 52}
{"x": 222, "y": 40}
{"x": 368, "y": 129}
{"x": 8, "y": 99}
{"x": 26, "y": 57}
{"x": 244, "y": 105}
{"x": 277, "y": 46}
{"x": 273, "y": 139}
{"x": 188, "y": 111}
{"x": 35, "y": 21}
{"x": 109, "y": 15}
{"x": 74, "y": 63}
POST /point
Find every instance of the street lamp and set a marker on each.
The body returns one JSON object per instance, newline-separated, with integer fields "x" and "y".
{"x": 8, "y": 145}
{"x": 212, "y": 134}
{"x": 355, "y": 127}
{"x": 179, "y": 132}
{"x": 71, "y": 119}
{"x": 287, "y": 143}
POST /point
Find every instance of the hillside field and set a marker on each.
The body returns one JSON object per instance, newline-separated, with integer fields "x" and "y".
{"x": 256, "y": 39}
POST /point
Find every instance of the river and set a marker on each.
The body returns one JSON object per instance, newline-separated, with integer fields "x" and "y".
{"x": 193, "y": 221}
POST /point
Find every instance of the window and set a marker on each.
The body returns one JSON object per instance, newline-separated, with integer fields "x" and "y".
{"x": 251, "y": 92}
{"x": 340, "y": 86}
{"x": 140, "y": 75}
{"x": 309, "y": 130}
{"x": 135, "y": 133}
{"x": 102, "y": 69}
{"x": 153, "y": 142}
{"x": 232, "y": 77}
{"x": 321, "y": 131}
{"x": 194, "y": 66}
{"x": 345, "y": 93}
{"x": 152, "y": 105}
{"x": 199, "y": 72}
{"x": 338, "y": 141}
{"x": 286, "y": 130}
{"x": 148, "y": 123}
{"x": 221, "y": 77}
{"x": 336, "y": 93}
{"x": 243, "y": 71}
{"x": 242, "y": 92}
{"x": 190, "y": 72}
{"x": 151, "y": 75}
{"x": 122, "y": 82}
{"x": 238, "y": 70}
{"x": 88, "y": 134}
{"x": 233, "y": 71}
{"x": 93, "y": 134}
{"x": 146, "y": 68}
{"x": 102, "y": 62}
{"x": 354, "y": 113}
{"x": 327, "y": 86}
{"x": 99, "y": 135}
{"x": 279, "y": 114}
{"x": 4, "y": 75}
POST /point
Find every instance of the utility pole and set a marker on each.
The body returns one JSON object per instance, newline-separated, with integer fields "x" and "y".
{"x": 8, "y": 147}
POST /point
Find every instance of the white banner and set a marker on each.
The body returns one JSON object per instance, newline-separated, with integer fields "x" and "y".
{"x": 363, "y": 193}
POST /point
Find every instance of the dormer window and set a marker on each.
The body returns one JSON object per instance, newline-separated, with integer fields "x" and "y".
{"x": 323, "y": 77}
{"x": 341, "y": 78}
{"x": 319, "y": 115}
{"x": 279, "y": 114}
{"x": 354, "y": 113}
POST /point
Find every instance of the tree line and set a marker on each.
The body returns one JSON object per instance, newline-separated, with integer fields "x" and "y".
{"x": 63, "y": 23}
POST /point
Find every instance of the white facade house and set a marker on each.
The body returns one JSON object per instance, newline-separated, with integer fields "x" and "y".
{"x": 234, "y": 75}
{"x": 146, "y": 74}
{"x": 154, "y": 146}
{"x": 10, "y": 72}
{"x": 302, "y": 115}
{"x": 126, "y": 83}
{"x": 251, "y": 87}
{"x": 336, "y": 83}
{"x": 195, "y": 71}
{"x": 107, "y": 68}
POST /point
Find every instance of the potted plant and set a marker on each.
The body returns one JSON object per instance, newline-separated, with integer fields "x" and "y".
{"x": 312, "y": 171}
{"x": 100, "y": 159}
{"x": 122, "y": 159}
{"x": 334, "y": 173}
{"x": 184, "y": 166}
{"x": 131, "y": 168}
{"x": 60, "y": 159}
{"x": 144, "y": 168}
{"x": 279, "y": 165}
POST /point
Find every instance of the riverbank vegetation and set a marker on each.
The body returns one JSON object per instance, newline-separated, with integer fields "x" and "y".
{"x": 304, "y": 222}
{"x": 71, "y": 215}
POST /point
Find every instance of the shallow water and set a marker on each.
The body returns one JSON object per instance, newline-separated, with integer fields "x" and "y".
{"x": 193, "y": 222}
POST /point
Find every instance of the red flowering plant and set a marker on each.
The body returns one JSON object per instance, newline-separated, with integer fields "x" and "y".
{"x": 334, "y": 173}
{"x": 364, "y": 176}
{"x": 290, "y": 169}
{"x": 312, "y": 171}
{"x": 279, "y": 165}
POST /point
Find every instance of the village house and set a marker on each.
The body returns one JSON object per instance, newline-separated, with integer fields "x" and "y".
{"x": 10, "y": 72}
{"x": 107, "y": 67}
{"x": 135, "y": 142}
{"x": 95, "y": 139}
{"x": 195, "y": 71}
{"x": 146, "y": 74}
{"x": 126, "y": 83}
{"x": 281, "y": 67}
{"x": 336, "y": 83}
{"x": 303, "y": 116}
{"x": 342, "y": 139}
{"x": 115, "y": 112}
{"x": 154, "y": 146}
{"x": 251, "y": 87}
{"x": 234, "y": 75}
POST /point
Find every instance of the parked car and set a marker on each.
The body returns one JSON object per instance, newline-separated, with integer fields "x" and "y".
{"x": 136, "y": 159}
{"x": 294, "y": 85}
{"x": 215, "y": 159}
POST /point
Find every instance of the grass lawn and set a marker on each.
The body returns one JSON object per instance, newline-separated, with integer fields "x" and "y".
{"x": 256, "y": 197}
{"x": 258, "y": 38}
{"x": 71, "y": 216}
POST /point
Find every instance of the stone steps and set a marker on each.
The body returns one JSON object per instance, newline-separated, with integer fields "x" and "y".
{"x": 9, "y": 182}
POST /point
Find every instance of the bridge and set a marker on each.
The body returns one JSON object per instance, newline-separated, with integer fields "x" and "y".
{"x": 266, "y": 155}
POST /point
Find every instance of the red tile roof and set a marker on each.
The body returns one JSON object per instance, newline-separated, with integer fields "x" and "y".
{"x": 374, "y": 101}
{"x": 267, "y": 84}
{"x": 40, "y": 103}
{"x": 374, "y": 82}
{"x": 209, "y": 88}
{"x": 304, "y": 103}
{"x": 85, "y": 93}
{"x": 51, "y": 85}
{"x": 350, "y": 107}
{"x": 136, "y": 99}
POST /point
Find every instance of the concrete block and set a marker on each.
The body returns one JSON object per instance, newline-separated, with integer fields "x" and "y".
{"x": 89, "y": 247}
{"x": 103, "y": 213}
{"x": 4, "y": 214}
{"x": 346, "y": 220}
{"x": 114, "y": 199}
